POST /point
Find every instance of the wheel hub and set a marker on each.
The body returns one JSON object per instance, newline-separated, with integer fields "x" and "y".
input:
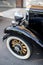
{"x": 17, "y": 48}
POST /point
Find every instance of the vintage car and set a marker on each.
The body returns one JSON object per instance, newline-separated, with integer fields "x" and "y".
{"x": 23, "y": 33}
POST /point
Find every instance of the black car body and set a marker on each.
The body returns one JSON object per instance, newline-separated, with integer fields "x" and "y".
{"x": 36, "y": 20}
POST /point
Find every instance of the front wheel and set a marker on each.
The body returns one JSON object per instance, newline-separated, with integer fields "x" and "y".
{"x": 19, "y": 47}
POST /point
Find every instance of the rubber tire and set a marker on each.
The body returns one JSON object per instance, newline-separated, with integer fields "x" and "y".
{"x": 28, "y": 45}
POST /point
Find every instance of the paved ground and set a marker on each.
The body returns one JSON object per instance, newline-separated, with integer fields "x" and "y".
{"x": 6, "y": 58}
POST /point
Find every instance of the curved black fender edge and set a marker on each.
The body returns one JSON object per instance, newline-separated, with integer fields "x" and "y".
{"x": 22, "y": 31}
{"x": 6, "y": 36}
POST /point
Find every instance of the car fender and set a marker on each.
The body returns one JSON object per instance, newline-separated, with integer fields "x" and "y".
{"x": 22, "y": 30}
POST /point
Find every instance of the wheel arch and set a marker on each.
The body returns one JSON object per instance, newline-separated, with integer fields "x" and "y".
{"x": 23, "y": 32}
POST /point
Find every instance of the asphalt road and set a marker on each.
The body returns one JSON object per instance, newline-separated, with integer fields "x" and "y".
{"x": 6, "y": 58}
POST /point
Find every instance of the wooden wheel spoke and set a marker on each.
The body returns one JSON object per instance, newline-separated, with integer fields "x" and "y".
{"x": 12, "y": 45}
{"x": 23, "y": 52}
{"x": 22, "y": 44}
{"x": 13, "y": 42}
{"x": 24, "y": 47}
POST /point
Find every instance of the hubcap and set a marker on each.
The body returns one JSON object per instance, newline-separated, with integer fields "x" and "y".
{"x": 18, "y": 47}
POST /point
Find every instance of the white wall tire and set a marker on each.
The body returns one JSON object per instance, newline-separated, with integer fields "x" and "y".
{"x": 18, "y": 56}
